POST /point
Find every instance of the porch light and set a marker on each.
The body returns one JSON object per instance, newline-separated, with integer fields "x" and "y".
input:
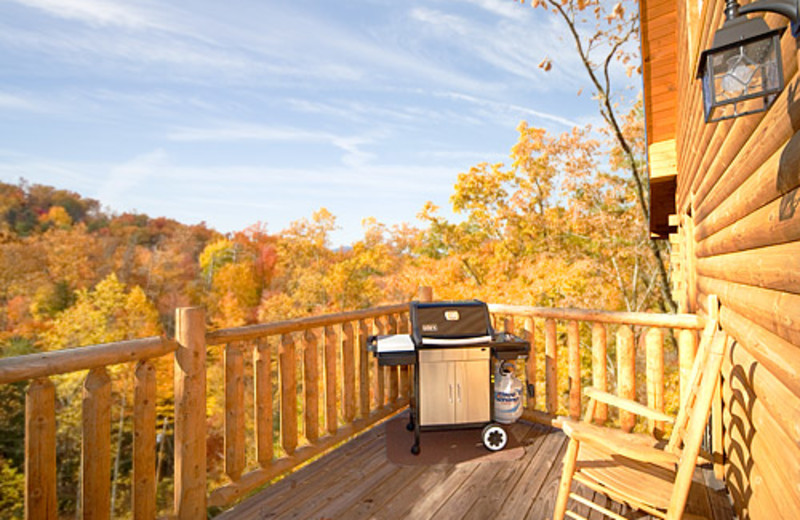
{"x": 742, "y": 72}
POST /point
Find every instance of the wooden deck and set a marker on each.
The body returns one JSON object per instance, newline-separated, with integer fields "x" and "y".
{"x": 358, "y": 480}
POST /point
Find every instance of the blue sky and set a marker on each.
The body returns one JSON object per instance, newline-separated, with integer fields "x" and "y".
{"x": 241, "y": 111}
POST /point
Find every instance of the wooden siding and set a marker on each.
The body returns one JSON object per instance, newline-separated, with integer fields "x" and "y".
{"x": 738, "y": 203}
{"x": 659, "y": 52}
{"x": 659, "y": 56}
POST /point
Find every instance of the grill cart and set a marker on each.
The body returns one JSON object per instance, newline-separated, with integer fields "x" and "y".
{"x": 451, "y": 346}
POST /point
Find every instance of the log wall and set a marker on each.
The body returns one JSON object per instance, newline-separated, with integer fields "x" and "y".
{"x": 738, "y": 204}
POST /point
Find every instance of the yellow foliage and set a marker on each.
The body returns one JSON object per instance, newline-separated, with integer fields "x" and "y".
{"x": 57, "y": 216}
{"x": 104, "y": 314}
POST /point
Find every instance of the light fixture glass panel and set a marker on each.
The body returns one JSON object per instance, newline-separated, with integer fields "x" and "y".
{"x": 742, "y": 79}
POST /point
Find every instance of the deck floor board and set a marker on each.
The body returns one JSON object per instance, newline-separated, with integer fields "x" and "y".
{"x": 358, "y": 481}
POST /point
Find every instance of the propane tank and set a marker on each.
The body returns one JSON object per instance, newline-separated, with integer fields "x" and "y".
{"x": 507, "y": 394}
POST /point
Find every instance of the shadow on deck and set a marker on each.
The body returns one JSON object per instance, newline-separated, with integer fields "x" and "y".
{"x": 373, "y": 476}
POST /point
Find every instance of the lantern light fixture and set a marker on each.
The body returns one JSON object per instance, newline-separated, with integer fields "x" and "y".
{"x": 742, "y": 72}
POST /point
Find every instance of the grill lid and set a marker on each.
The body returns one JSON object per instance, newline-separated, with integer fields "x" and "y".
{"x": 450, "y": 323}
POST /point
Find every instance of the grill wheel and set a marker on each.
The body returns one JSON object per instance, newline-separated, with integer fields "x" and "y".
{"x": 494, "y": 437}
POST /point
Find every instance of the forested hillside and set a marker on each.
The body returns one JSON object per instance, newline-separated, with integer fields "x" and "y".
{"x": 557, "y": 226}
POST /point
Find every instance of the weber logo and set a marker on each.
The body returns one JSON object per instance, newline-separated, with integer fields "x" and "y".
{"x": 429, "y": 327}
{"x": 452, "y": 315}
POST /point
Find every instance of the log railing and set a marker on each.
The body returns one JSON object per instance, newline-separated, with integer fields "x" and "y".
{"x": 40, "y": 424}
{"x": 592, "y": 363}
{"x": 296, "y": 388}
{"x": 324, "y": 386}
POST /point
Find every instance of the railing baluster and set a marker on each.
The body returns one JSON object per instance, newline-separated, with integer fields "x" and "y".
{"x": 288, "y": 389}
{"x": 599, "y": 373}
{"x": 574, "y": 358}
{"x": 363, "y": 370}
{"x": 234, "y": 411}
{"x": 40, "y": 450}
{"x": 96, "y": 446}
{"x": 262, "y": 368}
{"x": 626, "y": 374}
{"x": 551, "y": 366}
{"x": 331, "y": 414}
{"x": 654, "y": 348}
{"x": 687, "y": 349}
{"x": 528, "y": 334}
{"x": 311, "y": 385}
{"x": 144, "y": 441}
{"x": 348, "y": 373}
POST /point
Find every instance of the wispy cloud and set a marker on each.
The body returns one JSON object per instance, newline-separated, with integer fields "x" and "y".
{"x": 17, "y": 102}
{"x": 519, "y": 50}
{"x": 452, "y": 23}
{"x": 130, "y": 176}
{"x": 95, "y": 12}
{"x": 504, "y": 8}
{"x": 508, "y": 107}
{"x": 352, "y": 145}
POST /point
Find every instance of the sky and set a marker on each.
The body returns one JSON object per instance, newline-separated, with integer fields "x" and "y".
{"x": 246, "y": 111}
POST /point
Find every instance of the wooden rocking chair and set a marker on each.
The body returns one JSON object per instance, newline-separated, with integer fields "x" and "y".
{"x": 627, "y": 467}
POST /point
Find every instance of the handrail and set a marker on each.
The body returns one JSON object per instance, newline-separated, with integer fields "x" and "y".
{"x": 251, "y": 332}
{"x": 32, "y": 366}
{"x": 644, "y": 319}
{"x": 546, "y": 409}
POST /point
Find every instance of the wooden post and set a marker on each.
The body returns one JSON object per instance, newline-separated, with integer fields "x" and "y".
{"x": 288, "y": 389}
{"x": 190, "y": 413}
{"x": 144, "y": 441}
{"x": 40, "y": 451}
{"x": 654, "y": 363}
{"x": 348, "y": 373}
{"x": 363, "y": 370}
{"x": 626, "y": 374}
{"x": 508, "y": 324}
{"x": 96, "y": 446}
{"x": 331, "y": 413}
{"x": 311, "y": 385}
{"x": 599, "y": 373}
{"x": 530, "y": 365}
{"x": 425, "y": 294}
{"x": 234, "y": 411}
{"x": 551, "y": 366}
{"x": 262, "y": 375}
{"x": 687, "y": 349}
{"x": 574, "y": 359}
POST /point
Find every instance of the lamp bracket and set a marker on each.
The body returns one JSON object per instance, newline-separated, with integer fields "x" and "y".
{"x": 788, "y": 8}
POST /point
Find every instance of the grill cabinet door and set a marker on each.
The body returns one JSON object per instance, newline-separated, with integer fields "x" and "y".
{"x": 436, "y": 390}
{"x": 472, "y": 391}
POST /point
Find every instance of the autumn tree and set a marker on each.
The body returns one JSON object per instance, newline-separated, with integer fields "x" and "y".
{"x": 604, "y": 36}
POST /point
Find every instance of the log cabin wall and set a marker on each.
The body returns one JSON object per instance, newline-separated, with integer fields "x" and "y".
{"x": 737, "y": 204}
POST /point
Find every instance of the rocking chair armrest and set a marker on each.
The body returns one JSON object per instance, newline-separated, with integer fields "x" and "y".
{"x": 628, "y": 405}
{"x": 630, "y": 445}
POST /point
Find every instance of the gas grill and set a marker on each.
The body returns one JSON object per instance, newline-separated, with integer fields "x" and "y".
{"x": 451, "y": 347}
